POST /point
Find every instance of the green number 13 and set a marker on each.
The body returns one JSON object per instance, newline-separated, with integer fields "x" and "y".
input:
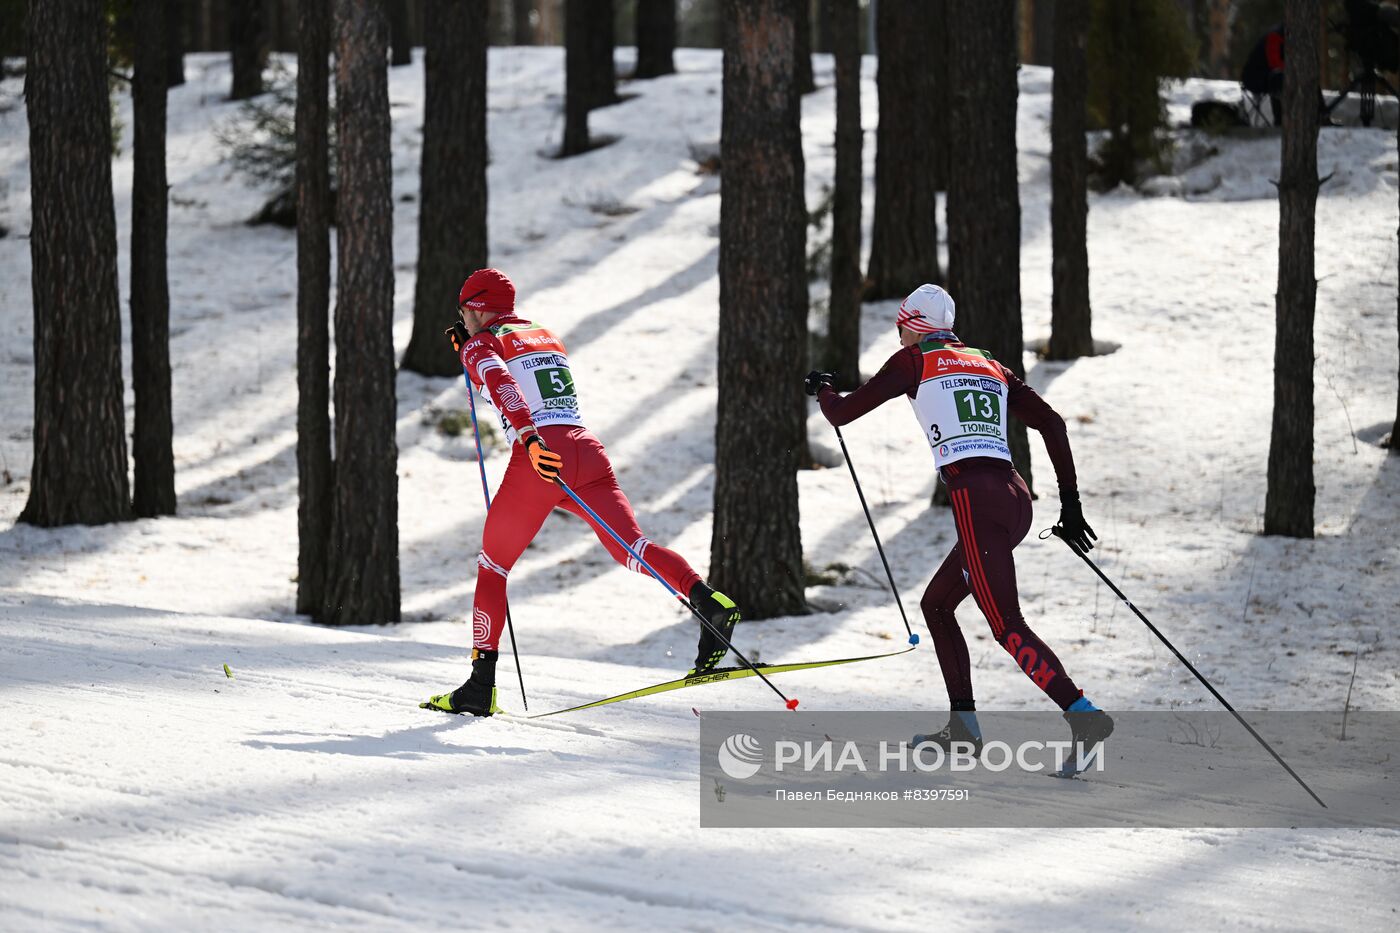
{"x": 978, "y": 406}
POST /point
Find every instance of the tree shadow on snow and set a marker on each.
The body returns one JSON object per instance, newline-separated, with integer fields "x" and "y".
{"x": 413, "y": 744}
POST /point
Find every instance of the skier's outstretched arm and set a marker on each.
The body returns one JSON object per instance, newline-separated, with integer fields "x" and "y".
{"x": 1025, "y": 403}
{"x": 899, "y": 376}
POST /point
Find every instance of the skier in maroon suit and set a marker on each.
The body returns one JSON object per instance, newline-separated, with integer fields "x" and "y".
{"x": 962, "y": 397}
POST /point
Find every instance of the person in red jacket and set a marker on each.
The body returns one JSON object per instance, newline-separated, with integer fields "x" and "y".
{"x": 1263, "y": 69}
{"x": 523, "y": 370}
{"x": 961, "y": 397}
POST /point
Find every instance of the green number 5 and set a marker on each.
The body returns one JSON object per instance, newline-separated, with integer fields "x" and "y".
{"x": 554, "y": 383}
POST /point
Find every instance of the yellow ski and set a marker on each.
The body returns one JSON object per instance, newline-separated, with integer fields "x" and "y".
{"x": 718, "y": 675}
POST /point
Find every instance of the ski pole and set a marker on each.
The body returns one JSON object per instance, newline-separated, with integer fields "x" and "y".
{"x": 1059, "y": 533}
{"x": 913, "y": 639}
{"x": 486, "y": 491}
{"x": 791, "y": 704}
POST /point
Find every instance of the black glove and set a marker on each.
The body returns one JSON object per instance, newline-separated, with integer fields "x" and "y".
{"x": 816, "y": 380}
{"x": 1072, "y": 526}
{"x": 457, "y": 333}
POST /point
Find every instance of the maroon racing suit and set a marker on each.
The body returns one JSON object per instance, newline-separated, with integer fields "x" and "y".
{"x": 992, "y": 511}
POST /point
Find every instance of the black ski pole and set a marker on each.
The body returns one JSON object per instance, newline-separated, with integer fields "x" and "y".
{"x": 1057, "y": 532}
{"x": 641, "y": 561}
{"x": 913, "y": 639}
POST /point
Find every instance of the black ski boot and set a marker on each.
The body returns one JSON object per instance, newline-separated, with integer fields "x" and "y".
{"x": 477, "y": 696}
{"x": 1090, "y": 726}
{"x": 962, "y": 727}
{"x": 723, "y": 615}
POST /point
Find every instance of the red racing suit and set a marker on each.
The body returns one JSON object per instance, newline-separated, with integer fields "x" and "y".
{"x": 991, "y": 505}
{"x": 523, "y": 371}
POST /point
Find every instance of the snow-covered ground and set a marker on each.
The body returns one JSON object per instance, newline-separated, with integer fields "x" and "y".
{"x": 143, "y": 789}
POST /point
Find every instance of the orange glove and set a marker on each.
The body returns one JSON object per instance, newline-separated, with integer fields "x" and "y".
{"x": 457, "y": 333}
{"x": 545, "y": 461}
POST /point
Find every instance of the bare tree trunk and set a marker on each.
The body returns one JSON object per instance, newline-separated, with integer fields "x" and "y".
{"x": 599, "y": 74}
{"x": 174, "y": 43}
{"x": 521, "y": 29}
{"x": 154, "y": 486}
{"x": 314, "y": 468}
{"x": 756, "y": 547}
{"x": 1395, "y": 429}
{"x": 656, "y": 38}
{"x": 806, "y": 84}
{"x": 400, "y": 46}
{"x": 1288, "y": 503}
{"x": 1070, "y": 314}
{"x": 362, "y": 575}
{"x": 1025, "y": 34}
{"x": 272, "y": 26}
{"x": 549, "y": 27}
{"x": 904, "y": 230}
{"x": 79, "y": 472}
{"x": 217, "y": 17}
{"x": 247, "y": 48}
{"x": 1221, "y": 14}
{"x": 826, "y": 38}
{"x": 938, "y": 92}
{"x": 984, "y": 208}
{"x": 576, "y": 80}
{"x": 843, "y": 332}
{"x": 1043, "y": 14}
{"x": 452, "y": 194}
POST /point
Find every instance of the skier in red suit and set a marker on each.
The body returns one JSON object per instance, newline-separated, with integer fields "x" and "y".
{"x": 961, "y": 397}
{"x": 523, "y": 369}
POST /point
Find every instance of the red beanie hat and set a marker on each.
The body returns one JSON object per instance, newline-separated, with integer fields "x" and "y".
{"x": 487, "y": 290}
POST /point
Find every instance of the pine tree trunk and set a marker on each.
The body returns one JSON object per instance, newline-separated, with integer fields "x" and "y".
{"x": 1288, "y": 503}
{"x": 174, "y": 43}
{"x": 452, "y": 194}
{"x": 401, "y": 48}
{"x": 549, "y": 29}
{"x": 904, "y": 230}
{"x": 362, "y": 576}
{"x": 1218, "y": 53}
{"x": 806, "y": 84}
{"x": 826, "y": 37}
{"x": 576, "y": 78}
{"x": 1043, "y": 19}
{"x": 522, "y": 31}
{"x": 286, "y": 25}
{"x": 801, "y": 295}
{"x": 984, "y": 208}
{"x": 938, "y": 92}
{"x": 656, "y": 38}
{"x": 79, "y": 472}
{"x": 756, "y": 547}
{"x": 1070, "y": 317}
{"x": 247, "y": 48}
{"x": 843, "y": 332}
{"x": 600, "y": 73}
{"x": 154, "y": 484}
{"x": 314, "y": 470}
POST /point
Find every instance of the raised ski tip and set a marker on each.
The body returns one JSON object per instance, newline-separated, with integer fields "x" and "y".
{"x": 913, "y": 639}
{"x": 792, "y": 704}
